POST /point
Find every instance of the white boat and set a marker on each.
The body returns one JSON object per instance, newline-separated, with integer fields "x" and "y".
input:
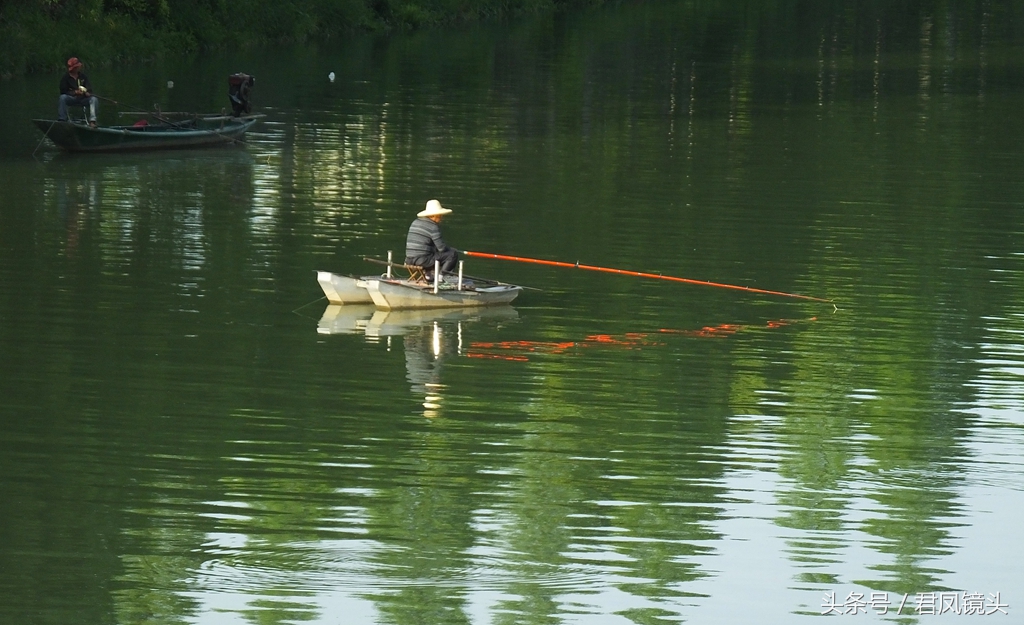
{"x": 392, "y": 293}
{"x": 344, "y": 289}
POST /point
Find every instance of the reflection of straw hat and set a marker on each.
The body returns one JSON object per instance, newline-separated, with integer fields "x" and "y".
{"x": 73, "y": 62}
{"x": 433, "y": 208}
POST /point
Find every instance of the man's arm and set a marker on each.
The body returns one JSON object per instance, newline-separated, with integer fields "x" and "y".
{"x": 435, "y": 235}
{"x": 67, "y": 85}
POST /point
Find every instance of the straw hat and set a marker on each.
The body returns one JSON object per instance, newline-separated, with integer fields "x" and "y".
{"x": 73, "y": 63}
{"x": 433, "y": 208}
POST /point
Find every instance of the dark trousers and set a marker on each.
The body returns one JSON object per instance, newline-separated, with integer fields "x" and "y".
{"x": 449, "y": 261}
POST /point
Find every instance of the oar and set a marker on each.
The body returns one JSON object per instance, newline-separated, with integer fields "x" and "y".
{"x": 136, "y": 109}
{"x": 164, "y": 119}
{"x": 640, "y": 274}
{"x": 500, "y": 283}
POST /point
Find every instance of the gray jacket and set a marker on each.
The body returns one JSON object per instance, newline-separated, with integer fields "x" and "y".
{"x": 424, "y": 239}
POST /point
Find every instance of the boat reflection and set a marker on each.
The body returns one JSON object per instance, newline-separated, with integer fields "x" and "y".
{"x": 113, "y": 207}
{"x": 429, "y": 338}
{"x": 425, "y": 354}
{"x": 374, "y": 323}
{"x": 76, "y": 201}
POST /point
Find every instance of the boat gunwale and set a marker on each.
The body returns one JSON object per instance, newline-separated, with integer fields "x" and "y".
{"x": 163, "y": 129}
{"x": 423, "y": 293}
{"x": 428, "y": 287}
{"x": 70, "y": 136}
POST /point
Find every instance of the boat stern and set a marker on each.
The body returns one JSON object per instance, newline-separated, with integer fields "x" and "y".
{"x": 343, "y": 289}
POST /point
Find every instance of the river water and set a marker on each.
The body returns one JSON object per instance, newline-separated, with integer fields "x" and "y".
{"x": 189, "y": 434}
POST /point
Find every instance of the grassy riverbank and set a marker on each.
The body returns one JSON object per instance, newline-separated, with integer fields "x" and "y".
{"x": 39, "y": 35}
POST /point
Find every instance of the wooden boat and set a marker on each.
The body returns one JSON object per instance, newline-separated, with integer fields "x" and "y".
{"x": 392, "y": 293}
{"x": 188, "y": 132}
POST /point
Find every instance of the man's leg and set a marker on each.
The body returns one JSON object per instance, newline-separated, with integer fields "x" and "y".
{"x": 94, "y": 104}
{"x": 449, "y": 260}
{"x": 62, "y": 106}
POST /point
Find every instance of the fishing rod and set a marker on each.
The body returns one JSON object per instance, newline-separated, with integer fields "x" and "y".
{"x": 640, "y": 274}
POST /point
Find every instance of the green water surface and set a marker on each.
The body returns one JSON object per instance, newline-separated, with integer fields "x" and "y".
{"x": 188, "y": 434}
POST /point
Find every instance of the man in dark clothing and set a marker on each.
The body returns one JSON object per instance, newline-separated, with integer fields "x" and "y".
{"x": 424, "y": 244}
{"x": 75, "y": 90}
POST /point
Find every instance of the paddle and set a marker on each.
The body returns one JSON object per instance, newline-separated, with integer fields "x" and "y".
{"x": 136, "y": 110}
{"x": 157, "y": 116}
{"x": 499, "y": 282}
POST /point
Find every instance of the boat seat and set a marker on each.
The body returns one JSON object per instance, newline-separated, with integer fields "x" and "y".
{"x": 85, "y": 114}
{"x": 416, "y": 273}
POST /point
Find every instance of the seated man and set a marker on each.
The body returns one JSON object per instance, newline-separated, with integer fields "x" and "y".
{"x": 75, "y": 90}
{"x": 424, "y": 244}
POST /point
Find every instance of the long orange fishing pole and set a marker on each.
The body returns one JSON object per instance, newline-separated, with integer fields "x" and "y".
{"x": 640, "y": 274}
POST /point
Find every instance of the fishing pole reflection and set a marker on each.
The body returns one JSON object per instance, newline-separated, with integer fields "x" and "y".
{"x": 429, "y": 338}
{"x": 522, "y": 350}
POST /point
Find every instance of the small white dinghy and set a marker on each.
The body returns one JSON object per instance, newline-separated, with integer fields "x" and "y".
{"x": 389, "y": 292}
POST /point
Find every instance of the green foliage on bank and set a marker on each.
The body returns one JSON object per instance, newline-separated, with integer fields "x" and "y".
{"x": 39, "y": 35}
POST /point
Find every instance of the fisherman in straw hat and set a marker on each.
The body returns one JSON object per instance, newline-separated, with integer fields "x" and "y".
{"x": 424, "y": 244}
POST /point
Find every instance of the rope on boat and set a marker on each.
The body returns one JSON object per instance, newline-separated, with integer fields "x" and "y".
{"x": 309, "y": 303}
{"x": 45, "y": 135}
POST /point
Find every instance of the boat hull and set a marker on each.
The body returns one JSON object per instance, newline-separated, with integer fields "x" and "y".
{"x": 389, "y": 294}
{"x": 398, "y": 295}
{"x": 343, "y": 289}
{"x": 78, "y": 137}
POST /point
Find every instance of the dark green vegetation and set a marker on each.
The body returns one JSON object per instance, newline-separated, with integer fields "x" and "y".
{"x": 41, "y": 34}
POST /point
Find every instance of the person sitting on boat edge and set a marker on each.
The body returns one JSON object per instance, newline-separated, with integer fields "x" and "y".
{"x": 75, "y": 90}
{"x": 424, "y": 244}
